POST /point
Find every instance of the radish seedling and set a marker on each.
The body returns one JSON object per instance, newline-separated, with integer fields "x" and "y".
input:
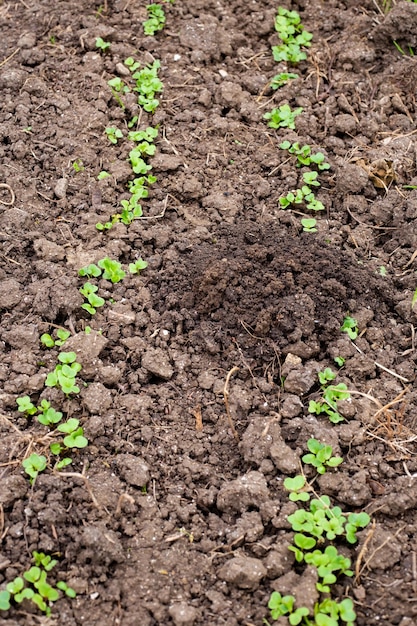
{"x": 112, "y": 270}
{"x": 113, "y": 134}
{"x": 102, "y": 45}
{"x": 281, "y": 79}
{"x": 64, "y": 373}
{"x": 350, "y": 327}
{"x": 282, "y": 117}
{"x": 156, "y": 19}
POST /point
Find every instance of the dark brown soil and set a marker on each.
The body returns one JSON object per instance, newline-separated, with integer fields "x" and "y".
{"x": 168, "y": 516}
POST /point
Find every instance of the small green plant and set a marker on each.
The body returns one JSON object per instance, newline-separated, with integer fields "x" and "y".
{"x": 282, "y": 79}
{"x": 102, "y": 175}
{"x": 315, "y": 526}
{"x": 293, "y": 36}
{"x": 320, "y": 456}
{"x": 118, "y": 88}
{"x": 102, "y": 45}
{"x": 350, "y": 327}
{"x": 303, "y": 196}
{"x": 414, "y": 299}
{"x": 47, "y": 415}
{"x": 89, "y": 291}
{"x": 309, "y": 225}
{"x": 112, "y": 270}
{"x": 78, "y": 165}
{"x": 156, "y": 19}
{"x": 147, "y": 85}
{"x": 339, "y": 360}
{"x": 25, "y": 406}
{"x": 331, "y": 394}
{"x": 282, "y": 117}
{"x": 65, "y": 373}
{"x": 305, "y": 156}
{"x": 113, "y": 134}
{"x": 91, "y": 270}
{"x": 33, "y": 585}
{"x": 74, "y": 434}
{"x": 34, "y": 464}
{"x": 137, "y": 266}
{"x": 61, "y": 336}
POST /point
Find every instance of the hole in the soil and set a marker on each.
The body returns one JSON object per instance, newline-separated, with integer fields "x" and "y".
{"x": 225, "y": 111}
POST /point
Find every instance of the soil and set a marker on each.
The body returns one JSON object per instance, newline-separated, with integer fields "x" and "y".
{"x": 175, "y": 513}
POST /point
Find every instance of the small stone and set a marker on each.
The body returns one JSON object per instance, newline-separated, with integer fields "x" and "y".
{"x": 183, "y": 614}
{"x": 156, "y": 361}
{"x": 12, "y": 488}
{"x": 284, "y": 457}
{"x": 167, "y": 162}
{"x": 133, "y": 469}
{"x": 26, "y": 41}
{"x": 122, "y": 70}
{"x": 12, "y": 78}
{"x": 49, "y": 250}
{"x": 20, "y": 149}
{"x": 97, "y": 398}
{"x": 110, "y": 374}
{"x": 243, "y": 572}
{"x": 11, "y": 293}
{"x": 250, "y": 490}
{"x": 60, "y": 189}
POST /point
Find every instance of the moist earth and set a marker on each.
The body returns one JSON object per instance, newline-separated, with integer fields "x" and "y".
{"x": 197, "y": 373}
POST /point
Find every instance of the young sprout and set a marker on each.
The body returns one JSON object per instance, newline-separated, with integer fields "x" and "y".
{"x": 350, "y": 327}
{"x": 102, "y": 45}
{"x": 282, "y": 117}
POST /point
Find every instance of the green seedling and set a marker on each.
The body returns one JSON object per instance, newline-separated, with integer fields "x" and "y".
{"x": 74, "y": 434}
{"x": 339, "y": 360}
{"x": 94, "y": 301}
{"x": 293, "y": 36}
{"x": 34, "y": 586}
{"x": 64, "y": 373}
{"x": 320, "y": 456}
{"x": 282, "y": 117}
{"x": 112, "y": 270}
{"x": 282, "y": 79}
{"x": 156, "y": 19}
{"x": 25, "y": 405}
{"x": 326, "y": 376}
{"x": 49, "y": 342}
{"x": 91, "y": 270}
{"x": 310, "y": 178}
{"x": 113, "y": 134}
{"x": 284, "y": 605}
{"x": 297, "y": 487}
{"x": 34, "y": 464}
{"x": 414, "y": 299}
{"x": 309, "y": 225}
{"x": 137, "y": 266}
{"x": 117, "y": 85}
{"x": 305, "y": 156}
{"x": 69, "y": 592}
{"x": 350, "y": 327}
{"x": 147, "y": 84}
{"x": 303, "y": 195}
{"x": 331, "y": 395}
{"x": 354, "y": 523}
{"x": 118, "y": 88}
{"x": 102, "y": 45}
{"x": 133, "y": 122}
{"x": 78, "y": 166}
{"x": 47, "y": 414}
{"x": 102, "y": 175}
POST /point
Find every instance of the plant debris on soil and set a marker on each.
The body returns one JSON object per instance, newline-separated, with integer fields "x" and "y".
{"x": 197, "y": 372}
